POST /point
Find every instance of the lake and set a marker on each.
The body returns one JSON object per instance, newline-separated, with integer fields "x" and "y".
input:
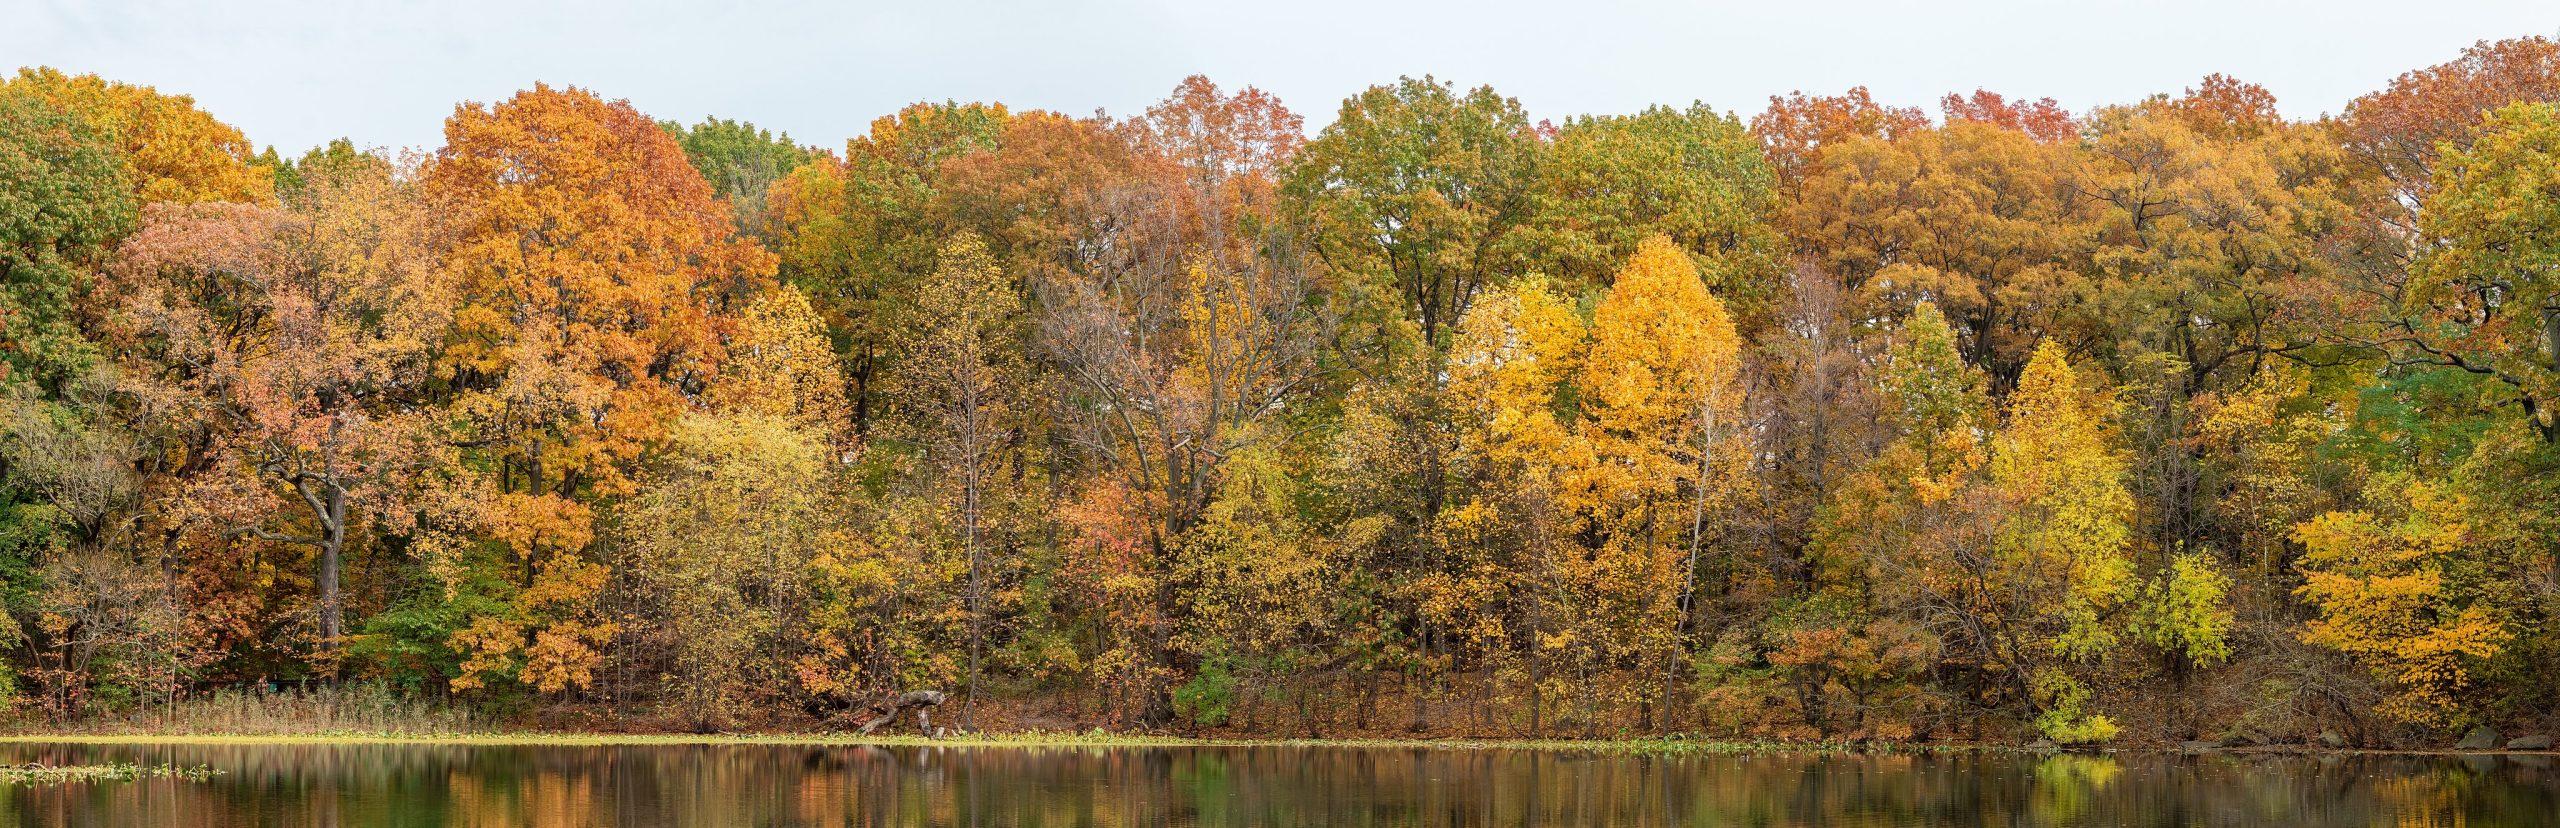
{"x": 792, "y": 785}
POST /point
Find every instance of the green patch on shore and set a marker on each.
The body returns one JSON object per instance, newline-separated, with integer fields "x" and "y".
{"x": 35, "y": 774}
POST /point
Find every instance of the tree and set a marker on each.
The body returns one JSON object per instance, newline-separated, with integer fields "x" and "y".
{"x": 2210, "y": 232}
{"x": 1797, "y": 128}
{"x": 2063, "y": 550}
{"x": 2016, "y": 560}
{"x": 1413, "y": 201}
{"x": 781, "y": 365}
{"x": 1662, "y": 395}
{"x": 67, "y": 206}
{"x": 1648, "y": 457}
{"x": 858, "y": 234}
{"x": 2402, "y": 131}
{"x": 309, "y": 333}
{"x": 1694, "y": 176}
{"x": 741, "y": 162}
{"x": 1987, "y": 223}
{"x": 170, "y": 150}
{"x": 1184, "y": 350}
{"x": 1511, "y": 373}
{"x": 1416, "y": 192}
{"x": 2041, "y": 119}
{"x": 961, "y": 383}
{"x": 721, "y": 541}
{"x": 2378, "y": 580}
{"x": 2486, "y": 299}
{"x": 2214, "y": 224}
{"x": 590, "y": 262}
{"x": 1902, "y": 532}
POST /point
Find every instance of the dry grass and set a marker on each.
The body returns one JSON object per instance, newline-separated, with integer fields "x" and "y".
{"x": 353, "y": 708}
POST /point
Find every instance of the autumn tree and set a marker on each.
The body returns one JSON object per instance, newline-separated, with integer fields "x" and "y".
{"x": 2403, "y": 130}
{"x": 1897, "y": 529}
{"x": 2060, "y": 562}
{"x": 590, "y": 261}
{"x": 961, "y": 383}
{"x": 2214, "y": 224}
{"x": 860, "y": 232}
{"x": 1511, "y": 373}
{"x": 309, "y": 332}
{"x": 2041, "y": 119}
{"x": 2378, "y": 580}
{"x": 1986, "y": 222}
{"x": 170, "y": 150}
{"x": 720, "y": 545}
{"x": 1640, "y": 469}
{"x": 2485, "y": 299}
{"x": 1413, "y": 201}
{"x": 1189, "y": 347}
{"x": 1662, "y": 395}
{"x": 781, "y": 365}
{"x": 2016, "y": 553}
{"x": 1797, "y": 128}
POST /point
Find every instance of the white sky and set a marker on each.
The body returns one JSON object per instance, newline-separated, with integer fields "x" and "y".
{"x": 295, "y": 73}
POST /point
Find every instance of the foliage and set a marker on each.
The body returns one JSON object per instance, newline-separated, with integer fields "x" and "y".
{"x": 2136, "y": 422}
{"x": 67, "y": 206}
{"x": 2378, "y": 581}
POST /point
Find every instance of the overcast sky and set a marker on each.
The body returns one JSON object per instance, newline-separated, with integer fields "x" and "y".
{"x": 295, "y": 73}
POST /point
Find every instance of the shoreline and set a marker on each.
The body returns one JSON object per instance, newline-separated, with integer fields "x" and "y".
{"x": 1074, "y": 741}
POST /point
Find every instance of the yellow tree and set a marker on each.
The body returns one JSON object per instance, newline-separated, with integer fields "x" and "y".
{"x": 2013, "y": 554}
{"x": 2063, "y": 555}
{"x": 1986, "y": 222}
{"x": 961, "y": 386}
{"x": 1632, "y": 478}
{"x": 173, "y": 152}
{"x": 1662, "y": 407}
{"x": 718, "y": 550}
{"x": 781, "y": 365}
{"x": 1517, "y": 353}
{"x": 1901, "y": 533}
{"x": 2377, "y": 579}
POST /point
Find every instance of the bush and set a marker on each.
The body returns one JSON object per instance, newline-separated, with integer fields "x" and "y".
{"x": 1209, "y": 696}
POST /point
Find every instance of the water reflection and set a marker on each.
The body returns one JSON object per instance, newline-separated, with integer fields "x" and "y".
{"x": 767, "y": 785}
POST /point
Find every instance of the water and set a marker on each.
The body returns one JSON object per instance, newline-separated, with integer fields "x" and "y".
{"x": 790, "y": 785}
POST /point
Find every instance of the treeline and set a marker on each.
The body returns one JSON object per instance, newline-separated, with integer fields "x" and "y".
{"x": 2155, "y": 420}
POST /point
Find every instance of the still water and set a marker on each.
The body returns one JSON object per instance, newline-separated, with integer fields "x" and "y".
{"x": 789, "y": 785}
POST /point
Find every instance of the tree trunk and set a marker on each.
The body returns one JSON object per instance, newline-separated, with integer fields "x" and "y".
{"x": 333, "y": 544}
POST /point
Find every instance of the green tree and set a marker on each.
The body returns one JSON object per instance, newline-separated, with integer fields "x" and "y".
{"x": 741, "y": 161}
{"x": 2487, "y": 298}
{"x": 1692, "y": 175}
{"x": 67, "y": 206}
{"x": 1417, "y": 195}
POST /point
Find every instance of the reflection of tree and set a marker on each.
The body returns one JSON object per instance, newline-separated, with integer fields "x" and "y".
{"x": 548, "y": 786}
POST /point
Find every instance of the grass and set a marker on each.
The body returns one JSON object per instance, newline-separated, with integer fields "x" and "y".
{"x": 352, "y": 708}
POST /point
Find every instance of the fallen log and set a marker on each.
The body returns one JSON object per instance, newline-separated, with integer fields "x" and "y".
{"x": 920, "y": 701}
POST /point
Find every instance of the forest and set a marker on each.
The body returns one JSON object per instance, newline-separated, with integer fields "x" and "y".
{"x": 1844, "y": 419}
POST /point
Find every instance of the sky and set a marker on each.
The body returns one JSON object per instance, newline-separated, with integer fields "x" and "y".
{"x": 297, "y": 73}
